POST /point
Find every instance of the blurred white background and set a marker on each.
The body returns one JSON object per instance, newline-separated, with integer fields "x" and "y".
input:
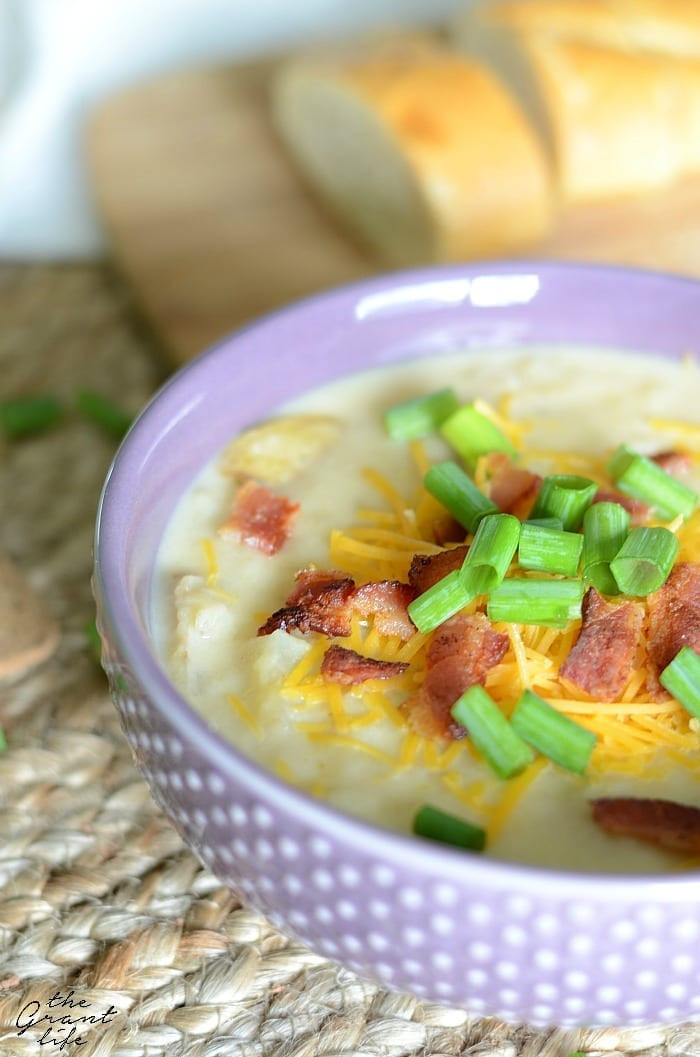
{"x": 59, "y": 58}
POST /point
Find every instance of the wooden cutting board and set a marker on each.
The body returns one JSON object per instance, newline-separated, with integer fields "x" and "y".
{"x": 210, "y": 223}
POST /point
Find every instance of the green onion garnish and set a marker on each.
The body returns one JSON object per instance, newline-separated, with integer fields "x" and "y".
{"x": 566, "y": 496}
{"x": 101, "y": 410}
{"x": 549, "y": 550}
{"x": 491, "y": 552}
{"x": 442, "y": 600}
{"x": 473, "y": 434}
{"x": 438, "y": 825}
{"x": 92, "y": 636}
{"x": 502, "y": 748}
{"x": 552, "y": 603}
{"x": 644, "y": 560}
{"x": 420, "y": 416}
{"x": 553, "y": 734}
{"x": 452, "y": 487}
{"x": 30, "y": 414}
{"x": 682, "y": 679}
{"x": 642, "y": 478}
{"x": 545, "y": 522}
{"x": 3, "y": 740}
{"x": 605, "y": 529}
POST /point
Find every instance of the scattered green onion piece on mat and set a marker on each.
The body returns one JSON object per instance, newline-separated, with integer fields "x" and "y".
{"x": 473, "y": 434}
{"x": 549, "y": 550}
{"x": 420, "y": 416}
{"x": 553, "y": 734}
{"x": 503, "y": 749}
{"x": 92, "y": 636}
{"x": 439, "y": 602}
{"x": 605, "y": 529}
{"x": 551, "y": 603}
{"x": 25, "y": 415}
{"x": 566, "y": 496}
{"x": 452, "y": 487}
{"x": 491, "y": 552}
{"x": 3, "y": 740}
{"x": 644, "y": 560}
{"x": 682, "y": 679}
{"x": 438, "y": 825}
{"x": 101, "y": 410}
{"x": 643, "y": 479}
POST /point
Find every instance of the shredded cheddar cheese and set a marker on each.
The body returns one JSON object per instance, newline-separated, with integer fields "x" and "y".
{"x": 631, "y": 731}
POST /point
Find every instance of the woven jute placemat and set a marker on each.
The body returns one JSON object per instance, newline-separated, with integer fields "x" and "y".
{"x": 114, "y": 940}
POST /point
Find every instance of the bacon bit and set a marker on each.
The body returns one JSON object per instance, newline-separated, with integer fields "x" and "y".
{"x": 321, "y": 601}
{"x": 674, "y": 620}
{"x": 603, "y": 656}
{"x": 671, "y": 826}
{"x": 511, "y": 488}
{"x": 427, "y": 569}
{"x": 260, "y": 519}
{"x": 447, "y": 530}
{"x": 676, "y": 463}
{"x": 341, "y": 665}
{"x": 387, "y": 601}
{"x": 638, "y": 511}
{"x": 460, "y": 655}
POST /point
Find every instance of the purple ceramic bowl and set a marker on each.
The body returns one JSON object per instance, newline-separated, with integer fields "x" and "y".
{"x": 519, "y": 943}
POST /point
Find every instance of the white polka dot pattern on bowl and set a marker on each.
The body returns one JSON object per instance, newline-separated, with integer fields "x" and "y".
{"x": 535, "y": 956}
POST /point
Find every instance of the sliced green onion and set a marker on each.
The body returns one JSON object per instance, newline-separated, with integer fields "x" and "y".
{"x": 442, "y": 600}
{"x": 549, "y": 550}
{"x": 452, "y": 487}
{"x": 605, "y": 529}
{"x": 438, "y": 825}
{"x": 642, "y": 478}
{"x": 3, "y": 740}
{"x": 92, "y": 636}
{"x": 420, "y": 416}
{"x": 552, "y": 603}
{"x": 644, "y": 560}
{"x": 503, "y": 749}
{"x": 491, "y": 552}
{"x": 566, "y": 496}
{"x": 30, "y": 414}
{"x": 545, "y": 522}
{"x": 473, "y": 434}
{"x": 113, "y": 419}
{"x": 553, "y": 734}
{"x": 682, "y": 679}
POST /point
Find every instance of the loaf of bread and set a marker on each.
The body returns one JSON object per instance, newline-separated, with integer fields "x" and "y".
{"x": 422, "y": 153}
{"x": 669, "y": 26}
{"x": 613, "y": 88}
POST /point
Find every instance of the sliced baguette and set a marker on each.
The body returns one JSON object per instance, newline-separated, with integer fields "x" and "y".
{"x": 616, "y": 121}
{"x": 422, "y": 154}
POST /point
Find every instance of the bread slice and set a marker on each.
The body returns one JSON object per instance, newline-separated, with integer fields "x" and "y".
{"x": 419, "y": 152}
{"x": 616, "y": 120}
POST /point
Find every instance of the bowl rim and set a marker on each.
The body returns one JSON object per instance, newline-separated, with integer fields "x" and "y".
{"x": 429, "y": 858}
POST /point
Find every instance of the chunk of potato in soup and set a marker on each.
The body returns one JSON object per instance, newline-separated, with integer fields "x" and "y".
{"x": 358, "y": 506}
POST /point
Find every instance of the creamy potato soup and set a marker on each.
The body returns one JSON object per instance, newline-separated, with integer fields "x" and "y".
{"x": 268, "y": 629}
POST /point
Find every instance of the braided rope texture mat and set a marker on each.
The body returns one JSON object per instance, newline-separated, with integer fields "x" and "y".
{"x": 114, "y": 940}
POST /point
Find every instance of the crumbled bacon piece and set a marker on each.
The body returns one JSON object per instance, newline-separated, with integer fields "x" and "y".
{"x": 674, "y": 462}
{"x": 341, "y": 665}
{"x": 671, "y": 826}
{"x": 603, "y": 656}
{"x": 512, "y": 488}
{"x": 460, "y": 655}
{"x": 260, "y": 519}
{"x": 637, "y": 510}
{"x": 387, "y": 601}
{"x": 427, "y": 569}
{"x": 321, "y": 601}
{"x": 674, "y": 619}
